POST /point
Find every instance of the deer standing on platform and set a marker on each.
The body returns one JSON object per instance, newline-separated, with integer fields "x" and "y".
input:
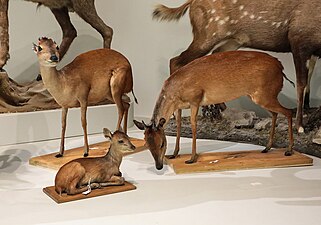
{"x": 74, "y": 176}
{"x": 275, "y": 25}
{"x": 213, "y": 79}
{"x": 90, "y": 78}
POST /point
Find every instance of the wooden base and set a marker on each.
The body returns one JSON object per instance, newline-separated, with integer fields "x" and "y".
{"x": 240, "y": 160}
{"x": 95, "y": 150}
{"x": 50, "y": 191}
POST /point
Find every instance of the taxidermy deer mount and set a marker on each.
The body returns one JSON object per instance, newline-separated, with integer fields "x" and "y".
{"x": 220, "y": 77}
{"x": 279, "y": 26}
{"x": 13, "y": 97}
{"x": 84, "y": 81}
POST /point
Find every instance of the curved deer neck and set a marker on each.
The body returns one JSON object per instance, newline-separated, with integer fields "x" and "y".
{"x": 114, "y": 156}
{"x": 51, "y": 79}
{"x": 164, "y": 108}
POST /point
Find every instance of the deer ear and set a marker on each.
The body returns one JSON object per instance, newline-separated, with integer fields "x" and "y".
{"x": 107, "y": 133}
{"x": 35, "y": 47}
{"x": 161, "y": 123}
{"x": 139, "y": 125}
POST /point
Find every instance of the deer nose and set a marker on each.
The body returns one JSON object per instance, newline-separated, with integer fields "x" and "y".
{"x": 54, "y": 58}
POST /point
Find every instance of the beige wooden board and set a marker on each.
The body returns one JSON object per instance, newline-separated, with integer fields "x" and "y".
{"x": 95, "y": 150}
{"x": 239, "y": 160}
{"x": 50, "y": 191}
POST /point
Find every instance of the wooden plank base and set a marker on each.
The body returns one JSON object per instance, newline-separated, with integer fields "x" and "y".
{"x": 95, "y": 150}
{"x": 239, "y": 160}
{"x": 50, "y": 191}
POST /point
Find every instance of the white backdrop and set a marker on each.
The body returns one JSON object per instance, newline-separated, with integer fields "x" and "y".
{"x": 148, "y": 45}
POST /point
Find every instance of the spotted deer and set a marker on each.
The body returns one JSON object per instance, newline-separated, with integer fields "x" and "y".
{"x": 81, "y": 174}
{"x": 90, "y": 78}
{"x": 220, "y": 77}
{"x": 275, "y": 25}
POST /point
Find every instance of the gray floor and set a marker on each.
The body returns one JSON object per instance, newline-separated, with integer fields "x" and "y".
{"x": 266, "y": 196}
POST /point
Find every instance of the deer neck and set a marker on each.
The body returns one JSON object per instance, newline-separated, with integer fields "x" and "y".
{"x": 164, "y": 108}
{"x": 114, "y": 156}
{"x": 51, "y": 79}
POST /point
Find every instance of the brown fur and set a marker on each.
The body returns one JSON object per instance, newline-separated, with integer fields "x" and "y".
{"x": 73, "y": 177}
{"x": 90, "y": 78}
{"x": 220, "y": 77}
{"x": 280, "y": 26}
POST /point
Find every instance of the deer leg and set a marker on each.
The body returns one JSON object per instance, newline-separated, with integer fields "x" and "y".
{"x": 4, "y": 34}
{"x": 311, "y": 66}
{"x": 69, "y": 32}
{"x": 198, "y": 48}
{"x": 63, "y": 131}
{"x": 229, "y": 45}
{"x": 178, "y": 118}
{"x": 113, "y": 181}
{"x": 87, "y": 11}
{"x": 272, "y": 132}
{"x": 83, "y": 109}
{"x": 194, "y": 111}
{"x": 126, "y": 108}
{"x": 300, "y": 60}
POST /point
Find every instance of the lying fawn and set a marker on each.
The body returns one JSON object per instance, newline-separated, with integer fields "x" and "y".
{"x": 278, "y": 26}
{"x": 90, "y": 78}
{"x": 213, "y": 79}
{"x": 74, "y": 176}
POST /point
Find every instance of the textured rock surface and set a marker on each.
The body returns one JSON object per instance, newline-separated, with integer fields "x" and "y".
{"x": 223, "y": 129}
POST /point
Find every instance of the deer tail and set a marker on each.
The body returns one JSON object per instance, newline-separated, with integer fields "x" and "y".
{"x": 291, "y": 82}
{"x": 162, "y": 12}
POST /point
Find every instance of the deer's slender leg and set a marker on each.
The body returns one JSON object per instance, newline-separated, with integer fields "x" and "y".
{"x": 69, "y": 32}
{"x": 311, "y": 66}
{"x": 113, "y": 181}
{"x": 272, "y": 132}
{"x": 83, "y": 108}
{"x": 126, "y": 108}
{"x": 178, "y": 117}
{"x": 63, "y": 131}
{"x": 194, "y": 111}
{"x": 4, "y": 34}
{"x": 87, "y": 11}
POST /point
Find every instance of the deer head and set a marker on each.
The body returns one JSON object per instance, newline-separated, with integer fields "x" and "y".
{"x": 119, "y": 140}
{"x": 155, "y": 140}
{"x": 47, "y": 51}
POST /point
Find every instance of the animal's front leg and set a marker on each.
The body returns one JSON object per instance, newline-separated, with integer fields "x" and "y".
{"x": 178, "y": 117}
{"x": 63, "y": 131}
{"x": 272, "y": 131}
{"x": 113, "y": 181}
{"x": 83, "y": 108}
{"x": 194, "y": 111}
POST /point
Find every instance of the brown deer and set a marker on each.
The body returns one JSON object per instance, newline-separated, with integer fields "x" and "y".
{"x": 279, "y": 26}
{"x": 213, "y": 79}
{"x": 90, "y": 78}
{"x": 73, "y": 177}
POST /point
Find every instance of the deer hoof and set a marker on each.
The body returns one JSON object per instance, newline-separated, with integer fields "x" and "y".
{"x": 86, "y": 154}
{"x": 59, "y": 155}
{"x": 266, "y": 150}
{"x": 190, "y": 161}
{"x": 171, "y": 157}
{"x": 288, "y": 153}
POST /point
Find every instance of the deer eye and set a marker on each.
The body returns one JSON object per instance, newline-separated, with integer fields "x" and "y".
{"x": 39, "y": 48}
{"x": 120, "y": 141}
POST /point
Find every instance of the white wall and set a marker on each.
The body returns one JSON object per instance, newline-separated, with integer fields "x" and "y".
{"x": 148, "y": 45}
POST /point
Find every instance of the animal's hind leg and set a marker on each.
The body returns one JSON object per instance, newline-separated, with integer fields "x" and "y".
{"x": 87, "y": 11}
{"x": 312, "y": 63}
{"x": 126, "y": 108}
{"x": 274, "y": 105}
{"x": 272, "y": 131}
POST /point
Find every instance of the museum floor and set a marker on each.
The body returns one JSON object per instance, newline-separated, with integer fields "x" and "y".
{"x": 265, "y": 196}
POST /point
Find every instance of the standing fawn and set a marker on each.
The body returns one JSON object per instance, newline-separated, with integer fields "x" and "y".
{"x": 213, "y": 79}
{"x": 90, "y": 78}
{"x": 279, "y": 26}
{"x": 73, "y": 177}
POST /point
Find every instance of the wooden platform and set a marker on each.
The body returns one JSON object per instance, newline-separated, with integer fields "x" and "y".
{"x": 240, "y": 160}
{"x": 95, "y": 150}
{"x": 50, "y": 191}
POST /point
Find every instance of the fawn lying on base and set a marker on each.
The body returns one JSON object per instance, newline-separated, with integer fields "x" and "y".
{"x": 214, "y": 79}
{"x": 73, "y": 177}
